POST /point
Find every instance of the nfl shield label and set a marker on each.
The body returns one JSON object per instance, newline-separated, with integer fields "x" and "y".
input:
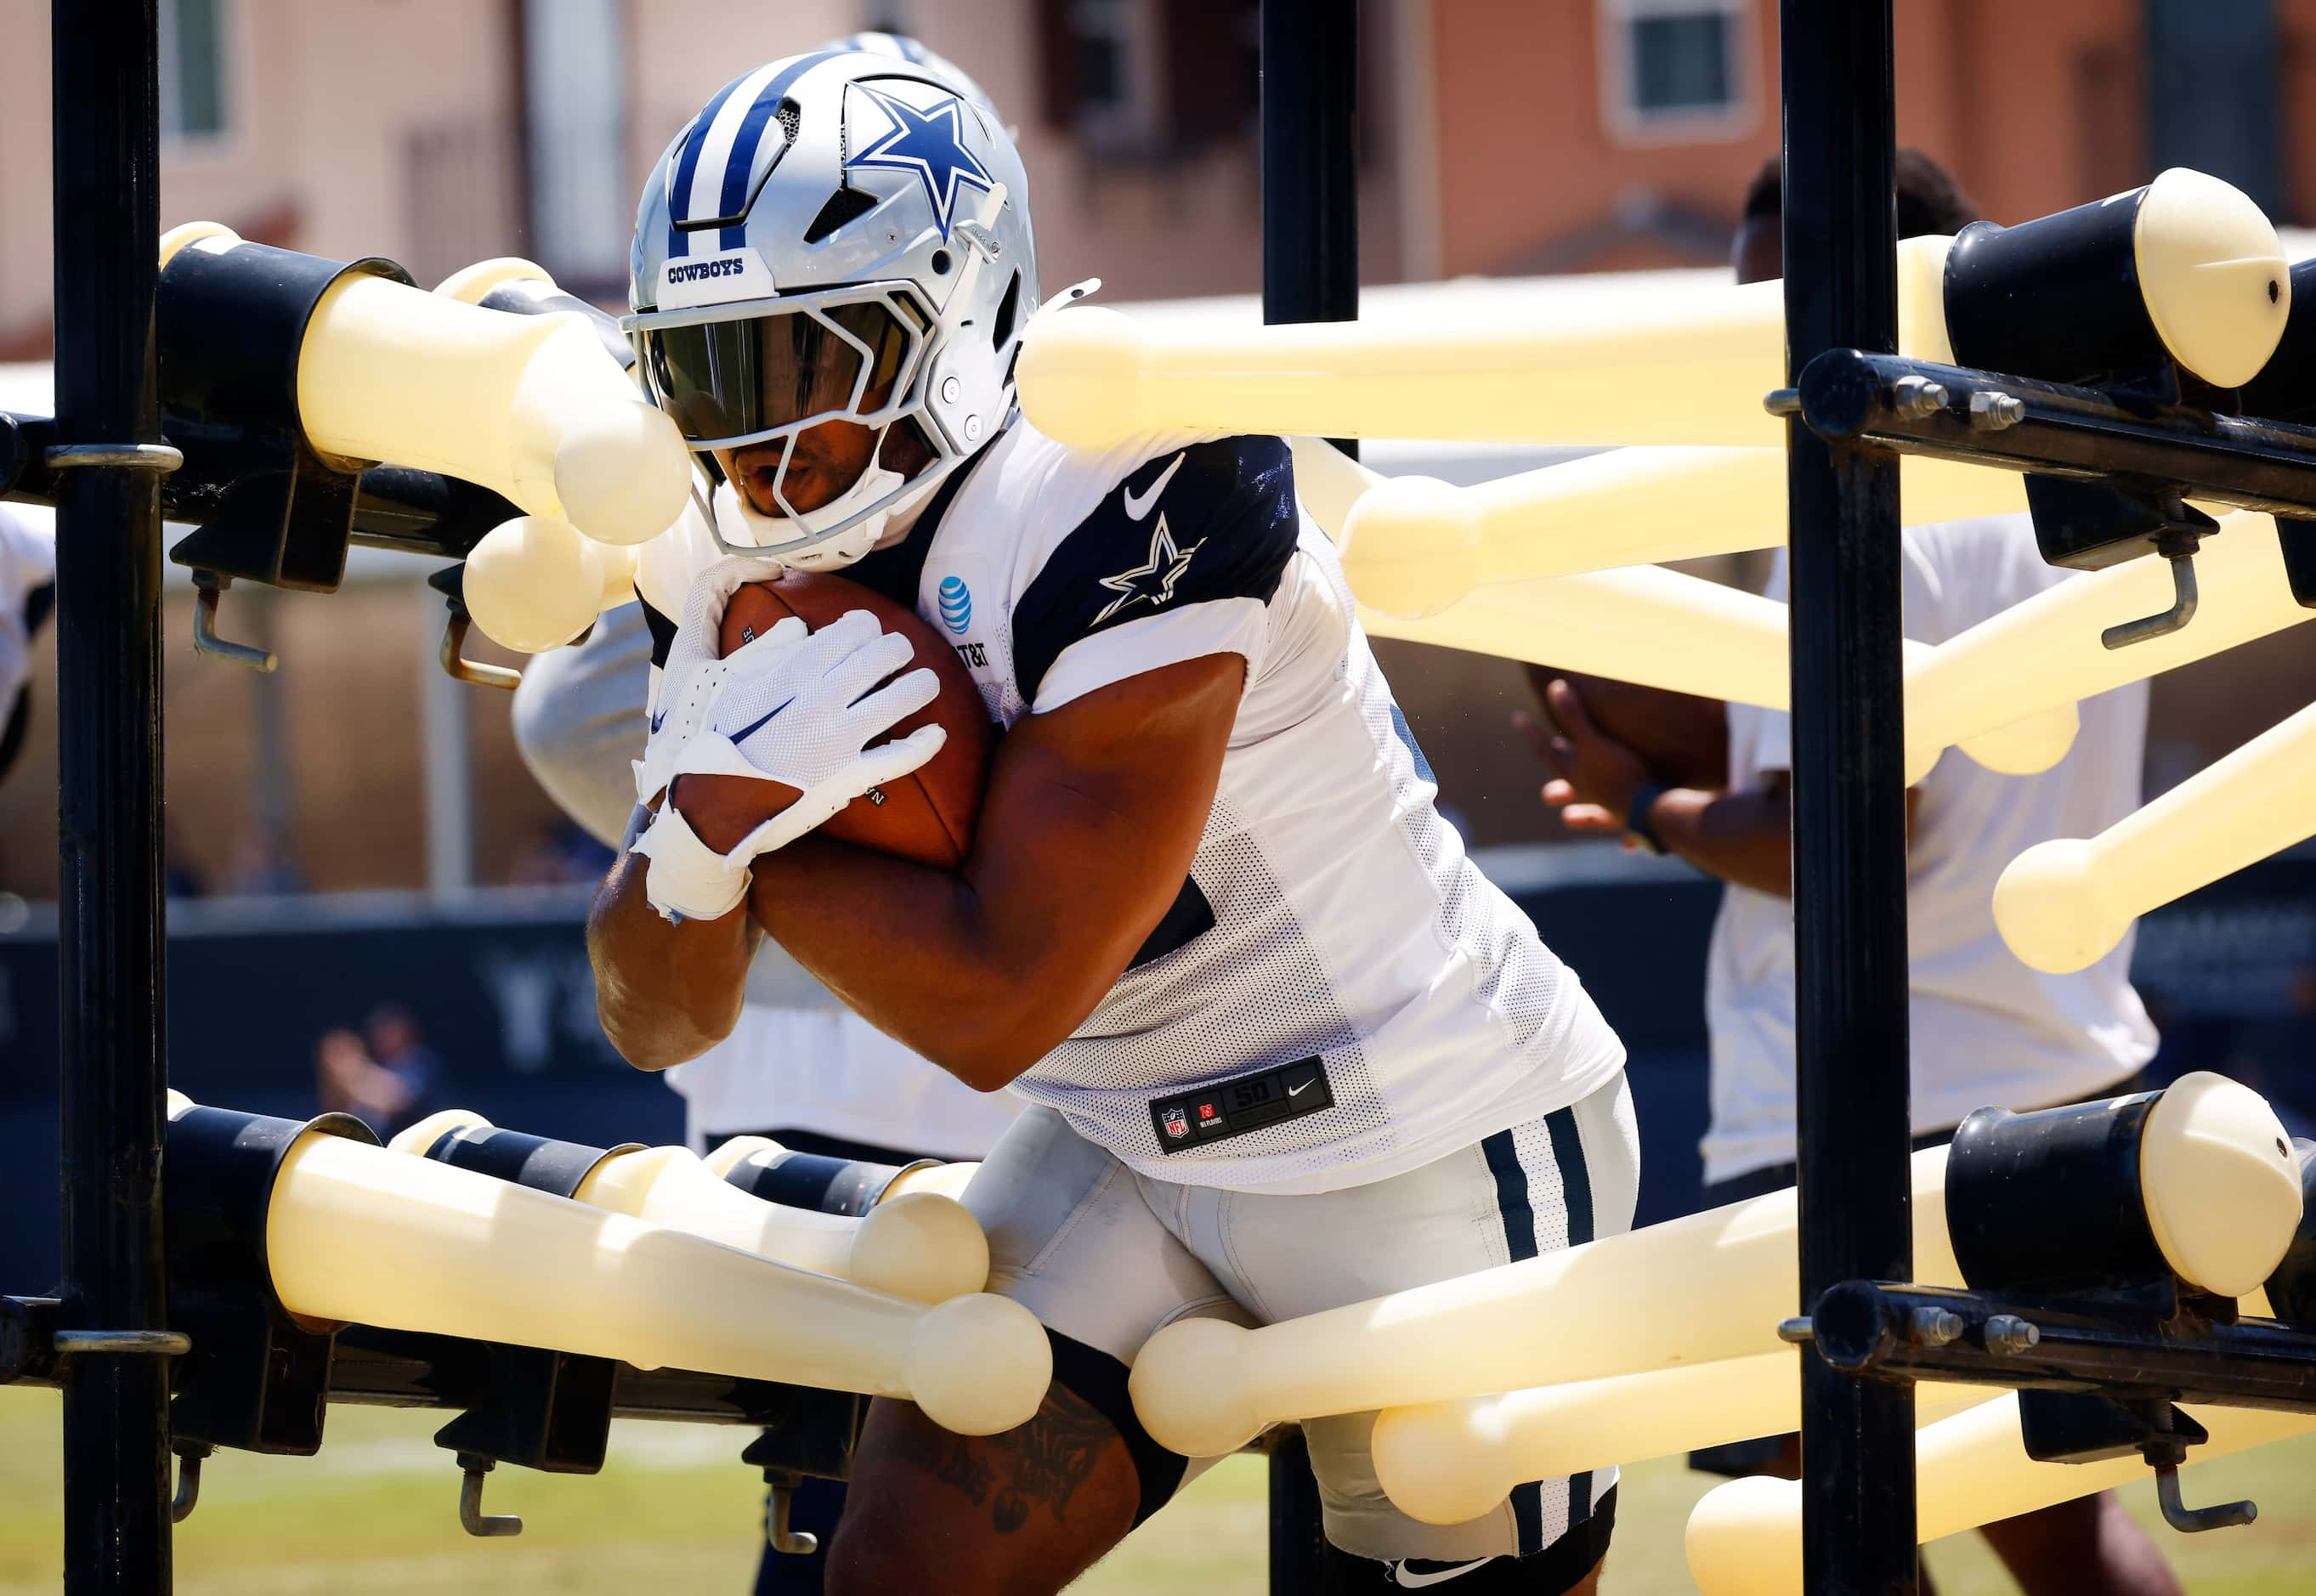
{"x": 1178, "y": 1123}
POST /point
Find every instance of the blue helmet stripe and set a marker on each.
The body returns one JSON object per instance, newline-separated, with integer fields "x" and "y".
{"x": 734, "y": 192}
{"x": 687, "y": 164}
{"x": 735, "y": 195}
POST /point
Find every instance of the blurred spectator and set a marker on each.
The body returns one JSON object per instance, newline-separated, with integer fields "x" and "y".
{"x": 349, "y": 1080}
{"x": 180, "y": 877}
{"x": 564, "y": 855}
{"x": 262, "y": 866}
{"x": 389, "y": 1069}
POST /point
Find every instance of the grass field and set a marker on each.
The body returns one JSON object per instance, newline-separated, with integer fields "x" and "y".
{"x": 675, "y": 1512}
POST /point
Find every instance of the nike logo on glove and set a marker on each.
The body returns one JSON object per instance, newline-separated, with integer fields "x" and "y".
{"x": 753, "y": 726}
{"x": 1407, "y": 1579}
{"x": 1136, "y": 508}
{"x": 659, "y": 720}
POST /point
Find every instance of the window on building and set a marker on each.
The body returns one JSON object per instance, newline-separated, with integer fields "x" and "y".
{"x": 1678, "y": 70}
{"x": 1143, "y": 78}
{"x": 575, "y": 115}
{"x": 192, "y": 68}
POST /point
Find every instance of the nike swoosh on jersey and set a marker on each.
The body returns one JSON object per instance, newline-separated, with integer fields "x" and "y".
{"x": 1135, "y": 509}
{"x": 1407, "y": 1580}
{"x": 1299, "y": 1090}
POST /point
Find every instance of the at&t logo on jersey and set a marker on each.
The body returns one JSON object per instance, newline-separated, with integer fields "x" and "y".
{"x": 956, "y": 601}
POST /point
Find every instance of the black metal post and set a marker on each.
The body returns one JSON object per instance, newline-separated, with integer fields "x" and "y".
{"x": 1310, "y": 164}
{"x": 107, "y": 164}
{"x": 1310, "y": 272}
{"x": 1849, "y": 844}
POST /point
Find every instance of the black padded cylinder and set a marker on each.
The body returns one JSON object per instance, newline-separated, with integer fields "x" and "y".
{"x": 815, "y": 1180}
{"x": 2050, "y": 1200}
{"x": 256, "y": 1378}
{"x": 2286, "y": 388}
{"x": 2292, "y": 1288}
{"x": 536, "y": 1162}
{"x": 232, "y": 324}
{"x": 221, "y": 1185}
{"x": 2057, "y": 297}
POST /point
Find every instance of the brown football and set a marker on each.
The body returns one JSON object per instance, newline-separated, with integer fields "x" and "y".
{"x": 1683, "y": 739}
{"x": 927, "y": 816}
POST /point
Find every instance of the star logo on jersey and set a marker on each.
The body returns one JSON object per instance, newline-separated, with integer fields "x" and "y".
{"x": 929, "y": 143}
{"x": 1152, "y": 580}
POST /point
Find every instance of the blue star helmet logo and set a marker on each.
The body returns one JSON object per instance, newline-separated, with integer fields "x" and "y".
{"x": 929, "y": 143}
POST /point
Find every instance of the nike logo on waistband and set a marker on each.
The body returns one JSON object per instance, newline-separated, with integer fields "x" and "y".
{"x": 1407, "y": 1579}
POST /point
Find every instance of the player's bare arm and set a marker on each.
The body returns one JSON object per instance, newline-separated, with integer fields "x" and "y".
{"x": 666, "y": 993}
{"x": 1092, "y": 819}
{"x": 1743, "y": 837}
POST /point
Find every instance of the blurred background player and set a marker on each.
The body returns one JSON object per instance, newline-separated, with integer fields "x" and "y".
{"x": 1984, "y": 1028}
{"x": 28, "y": 590}
{"x": 799, "y": 1067}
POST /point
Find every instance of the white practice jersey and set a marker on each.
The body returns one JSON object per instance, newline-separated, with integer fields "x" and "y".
{"x": 1337, "y": 994}
{"x": 28, "y": 574}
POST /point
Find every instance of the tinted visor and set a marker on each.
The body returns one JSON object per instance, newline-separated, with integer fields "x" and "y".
{"x": 738, "y": 379}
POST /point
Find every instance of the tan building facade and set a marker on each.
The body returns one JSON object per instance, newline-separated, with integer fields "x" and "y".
{"x": 1498, "y": 137}
{"x": 1505, "y": 136}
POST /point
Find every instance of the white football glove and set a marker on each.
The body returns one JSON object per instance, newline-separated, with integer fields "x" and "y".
{"x": 795, "y": 712}
{"x": 693, "y": 671}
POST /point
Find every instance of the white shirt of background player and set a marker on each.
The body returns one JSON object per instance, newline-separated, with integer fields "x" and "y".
{"x": 1985, "y": 1030}
{"x": 28, "y": 561}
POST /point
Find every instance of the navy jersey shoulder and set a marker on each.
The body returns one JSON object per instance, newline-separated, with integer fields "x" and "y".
{"x": 1213, "y": 520}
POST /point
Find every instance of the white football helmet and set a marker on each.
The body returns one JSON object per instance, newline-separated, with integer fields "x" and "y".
{"x": 840, "y": 235}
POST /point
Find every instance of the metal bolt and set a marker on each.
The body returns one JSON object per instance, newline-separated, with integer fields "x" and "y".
{"x": 2007, "y": 1333}
{"x": 949, "y": 391}
{"x": 1936, "y": 1326}
{"x": 1797, "y": 1332}
{"x": 1917, "y": 396}
{"x": 1991, "y": 412}
{"x": 1783, "y": 401}
{"x": 972, "y": 429}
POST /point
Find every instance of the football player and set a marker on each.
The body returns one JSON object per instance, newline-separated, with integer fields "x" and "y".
{"x": 1287, "y": 1048}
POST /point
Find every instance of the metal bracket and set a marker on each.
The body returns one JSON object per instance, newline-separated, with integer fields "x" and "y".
{"x": 189, "y": 1479}
{"x": 167, "y": 1344}
{"x": 2179, "y": 549}
{"x": 136, "y": 457}
{"x": 473, "y": 673}
{"x": 778, "y": 1505}
{"x": 208, "y": 587}
{"x": 2195, "y": 1520}
{"x": 471, "y": 1517}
